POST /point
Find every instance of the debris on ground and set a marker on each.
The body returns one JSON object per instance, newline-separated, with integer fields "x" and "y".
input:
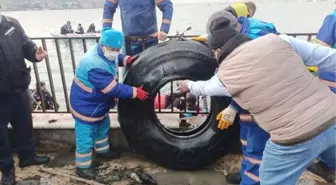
{"x": 132, "y": 170}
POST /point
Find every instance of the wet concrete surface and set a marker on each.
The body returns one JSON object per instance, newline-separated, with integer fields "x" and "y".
{"x": 118, "y": 172}
{"x": 312, "y": 182}
{"x": 206, "y": 177}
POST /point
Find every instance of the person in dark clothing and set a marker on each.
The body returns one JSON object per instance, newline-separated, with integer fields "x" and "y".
{"x": 15, "y": 47}
{"x": 64, "y": 30}
{"x": 139, "y": 22}
{"x": 47, "y": 98}
{"x": 69, "y": 27}
{"x": 92, "y": 28}
{"x": 80, "y": 29}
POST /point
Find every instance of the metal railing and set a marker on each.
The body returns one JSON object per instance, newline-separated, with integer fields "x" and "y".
{"x": 59, "y": 68}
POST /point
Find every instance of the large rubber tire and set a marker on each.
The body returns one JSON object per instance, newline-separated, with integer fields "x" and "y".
{"x": 155, "y": 67}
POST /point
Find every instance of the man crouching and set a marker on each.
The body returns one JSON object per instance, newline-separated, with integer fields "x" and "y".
{"x": 93, "y": 90}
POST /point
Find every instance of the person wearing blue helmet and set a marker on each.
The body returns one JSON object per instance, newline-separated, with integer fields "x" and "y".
{"x": 92, "y": 93}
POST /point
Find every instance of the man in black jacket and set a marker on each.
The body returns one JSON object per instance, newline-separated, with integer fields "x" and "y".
{"x": 15, "y": 47}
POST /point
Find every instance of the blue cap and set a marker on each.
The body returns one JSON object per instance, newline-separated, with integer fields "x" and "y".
{"x": 112, "y": 38}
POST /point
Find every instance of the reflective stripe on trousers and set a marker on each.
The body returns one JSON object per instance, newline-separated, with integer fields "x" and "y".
{"x": 89, "y": 136}
{"x": 253, "y": 140}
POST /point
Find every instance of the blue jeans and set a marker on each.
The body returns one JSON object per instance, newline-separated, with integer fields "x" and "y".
{"x": 89, "y": 136}
{"x": 285, "y": 164}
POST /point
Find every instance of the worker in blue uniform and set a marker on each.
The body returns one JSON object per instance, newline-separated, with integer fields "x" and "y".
{"x": 328, "y": 78}
{"x": 252, "y": 137}
{"x": 326, "y": 36}
{"x": 93, "y": 90}
{"x": 319, "y": 167}
{"x": 139, "y": 21}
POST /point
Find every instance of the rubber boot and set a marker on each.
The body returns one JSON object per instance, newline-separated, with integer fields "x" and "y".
{"x": 86, "y": 173}
{"x": 321, "y": 170}
{"x": 108, "y": 155}
{"x": 8, "y": 178}
{"x": 34, "y": 160}
{"x": 233, "y": 178}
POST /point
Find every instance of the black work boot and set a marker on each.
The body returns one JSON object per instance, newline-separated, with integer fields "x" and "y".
{"x": 233, "y": 178}
{"x": 108, "y": 155}
{"x": 321, "y": 170}
{"x": 34, "y": 160}
{"x": 8, "y": 178}
{"x": 86, "y": 173}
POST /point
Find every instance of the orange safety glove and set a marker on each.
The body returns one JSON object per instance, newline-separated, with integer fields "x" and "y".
{"x": 131, "y": 59}
{"x": 141, "y": 94}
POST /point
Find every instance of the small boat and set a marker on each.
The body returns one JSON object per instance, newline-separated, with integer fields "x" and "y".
{"x": 57, "y": 34}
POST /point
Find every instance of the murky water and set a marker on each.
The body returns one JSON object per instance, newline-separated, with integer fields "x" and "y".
{"x": 288, "y": 17}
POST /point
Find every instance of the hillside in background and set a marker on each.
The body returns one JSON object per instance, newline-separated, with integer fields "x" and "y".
{"x": 22, "y": 5}
{"x": 13, "y": 5}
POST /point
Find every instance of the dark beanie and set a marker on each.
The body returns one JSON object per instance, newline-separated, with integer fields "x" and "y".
{"x": 220, "y": 32}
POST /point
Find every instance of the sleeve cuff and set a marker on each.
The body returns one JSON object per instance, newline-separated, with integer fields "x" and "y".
{"x": 109, "y": 25}
{"x": 135, "y": 93}
{"x": 234, "y": 108}
{"x": 190, "y": 83}
{"x": 33, "y": 55}
{"x": 125, "y": 61}
{"x": 165, "y": 27}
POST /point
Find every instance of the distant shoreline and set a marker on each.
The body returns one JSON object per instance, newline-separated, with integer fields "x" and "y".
{"x": 187, "y": 2}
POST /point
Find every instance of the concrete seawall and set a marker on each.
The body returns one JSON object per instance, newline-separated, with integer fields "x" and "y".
{"x": 60, "y": 128}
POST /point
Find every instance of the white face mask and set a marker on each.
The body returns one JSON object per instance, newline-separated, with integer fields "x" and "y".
{"x": 111, "y": 55}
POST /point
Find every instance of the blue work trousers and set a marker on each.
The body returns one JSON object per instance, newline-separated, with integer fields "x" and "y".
{"x": 138, "y": 46}
{"x": 89, "y": 136}
{"x": 134, "y": 48}
{"x": 253, "y": 139}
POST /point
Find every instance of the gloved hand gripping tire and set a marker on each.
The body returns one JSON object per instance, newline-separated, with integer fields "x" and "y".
{"x": 226, "y": 117}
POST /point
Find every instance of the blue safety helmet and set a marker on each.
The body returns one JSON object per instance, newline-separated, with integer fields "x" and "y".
{"x": 111, "y": 38}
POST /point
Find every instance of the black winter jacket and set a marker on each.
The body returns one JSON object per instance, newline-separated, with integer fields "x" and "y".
{"x": 15, "y": 47}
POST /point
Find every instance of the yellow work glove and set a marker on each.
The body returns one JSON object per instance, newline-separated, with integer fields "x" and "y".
{"x": 201, "y": 38}
{"x": 313, "y": 70}
{"x": 226, "y": 117}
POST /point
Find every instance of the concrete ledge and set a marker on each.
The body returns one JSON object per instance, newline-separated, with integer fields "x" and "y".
{"x": 67, "y": 136}
{"x": 65, "y": 121}
{"x": 59, "y": 128}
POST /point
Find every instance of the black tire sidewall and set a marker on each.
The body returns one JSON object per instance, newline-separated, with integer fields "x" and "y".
{"x": 155, "y": 67}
